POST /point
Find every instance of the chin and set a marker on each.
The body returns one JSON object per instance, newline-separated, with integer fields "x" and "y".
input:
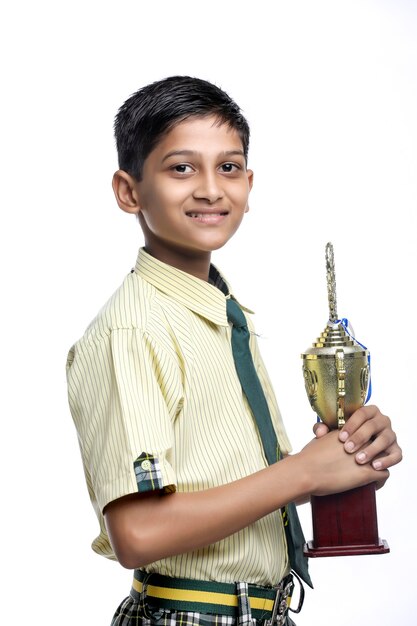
{"x": 216, "y": 245}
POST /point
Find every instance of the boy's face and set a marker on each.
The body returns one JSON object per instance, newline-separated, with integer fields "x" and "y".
{"x": 194, "y": 191}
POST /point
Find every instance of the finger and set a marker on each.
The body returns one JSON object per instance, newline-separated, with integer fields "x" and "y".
{"x": 393, "y": 456}
{"x": 363, "y": 415}
{"x": 374, "y": 440}
{"x": 373, "y": 447}
{"x": 365, "y": 425}
{"x": 390, "y": 456}
{"x": 381, "y": 483}
{"x": 356, "y": 421}
{"x": 320, "y": 429}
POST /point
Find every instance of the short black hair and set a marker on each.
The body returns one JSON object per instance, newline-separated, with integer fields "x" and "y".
{"x": 153, "y": 110}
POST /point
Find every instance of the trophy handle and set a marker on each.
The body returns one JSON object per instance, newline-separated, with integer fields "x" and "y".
{"x": 341, "y": 390}
{"x": 364, "y": 382}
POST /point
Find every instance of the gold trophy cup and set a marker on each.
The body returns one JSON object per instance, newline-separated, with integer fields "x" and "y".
{"x": 336, "y": 376}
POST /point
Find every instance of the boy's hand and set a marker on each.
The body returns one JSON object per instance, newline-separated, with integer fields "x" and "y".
{"x": 330, "y": 470}
{"x": 368, "y": 433}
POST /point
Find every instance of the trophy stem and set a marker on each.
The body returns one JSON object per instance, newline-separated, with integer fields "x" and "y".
{"x": 345, "y": 524}
{"x": 331, "y": 282}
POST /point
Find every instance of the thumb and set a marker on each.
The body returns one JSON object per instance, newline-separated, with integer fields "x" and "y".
{"x": 320, "y": 429}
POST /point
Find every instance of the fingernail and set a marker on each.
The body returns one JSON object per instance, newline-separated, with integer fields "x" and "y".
{"x": 343, "y": 435}
{"x": 349, "y": 446}
{"x": 377, "y": 465}
{"x": 361, "y": 457}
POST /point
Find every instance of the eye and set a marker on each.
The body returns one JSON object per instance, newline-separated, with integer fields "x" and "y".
{"x": 228, "y": 168}
{"x": 182, "y": 168}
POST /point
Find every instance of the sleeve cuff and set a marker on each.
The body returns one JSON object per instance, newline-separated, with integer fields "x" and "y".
{"x": 148, "y": 473}
{"x": 152, "y": 474}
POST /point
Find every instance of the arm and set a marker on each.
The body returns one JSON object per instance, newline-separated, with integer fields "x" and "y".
{"x": 143, "y": 529}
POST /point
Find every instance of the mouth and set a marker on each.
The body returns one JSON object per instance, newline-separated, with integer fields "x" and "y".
{"x": 208, "y": 217}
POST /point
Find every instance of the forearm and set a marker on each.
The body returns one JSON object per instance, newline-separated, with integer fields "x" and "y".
{"x": 143, "y": 529}
{"x": 180, "y": 522}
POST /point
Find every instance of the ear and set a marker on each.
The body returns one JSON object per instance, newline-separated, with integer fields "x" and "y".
{"x": 125, "y": 190}
{"x": 250, "y": 183}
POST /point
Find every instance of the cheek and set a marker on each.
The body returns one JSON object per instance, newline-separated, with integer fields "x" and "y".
{"x": 165, "y": 197}
{"x": 240, "y": 199}
{"x": 152, "y": 204}
{"x": 240, "y": 190}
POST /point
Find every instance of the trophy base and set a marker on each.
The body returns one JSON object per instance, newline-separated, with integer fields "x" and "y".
{"x": 311, "y": 551}
{"x": 345, "y": 524}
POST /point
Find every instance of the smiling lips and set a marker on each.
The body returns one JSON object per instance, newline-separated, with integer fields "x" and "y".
{"x": 207, "y": 217}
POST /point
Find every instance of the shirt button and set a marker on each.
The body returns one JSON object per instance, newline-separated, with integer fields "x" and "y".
{"x": 146, "y": 465}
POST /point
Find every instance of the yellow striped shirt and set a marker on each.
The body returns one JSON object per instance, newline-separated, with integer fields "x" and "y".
{"x": 157, "y": 404}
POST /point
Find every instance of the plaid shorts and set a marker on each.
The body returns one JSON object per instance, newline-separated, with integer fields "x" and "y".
{"x": 136, "y": 612}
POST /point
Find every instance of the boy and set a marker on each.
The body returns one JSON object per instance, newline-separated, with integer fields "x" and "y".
{"x": 175, "y": 455}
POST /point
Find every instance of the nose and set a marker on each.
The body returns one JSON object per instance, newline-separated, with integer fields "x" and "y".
{"x": 208, "y": 187}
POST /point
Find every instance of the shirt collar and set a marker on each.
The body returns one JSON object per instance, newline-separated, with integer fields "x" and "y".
{"x": 207, "y": 299}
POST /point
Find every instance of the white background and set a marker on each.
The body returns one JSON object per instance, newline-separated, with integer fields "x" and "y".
{"x": 330, "y": 91}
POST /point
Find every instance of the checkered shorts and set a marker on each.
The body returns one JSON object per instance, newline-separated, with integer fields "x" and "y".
{"x": 132, "y": 612}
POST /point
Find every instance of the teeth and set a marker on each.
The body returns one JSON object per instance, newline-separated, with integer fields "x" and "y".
{"x": 204, "y": 214}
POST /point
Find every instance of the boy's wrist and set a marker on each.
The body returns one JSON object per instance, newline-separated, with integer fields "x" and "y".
{"x": 298, "y": 478}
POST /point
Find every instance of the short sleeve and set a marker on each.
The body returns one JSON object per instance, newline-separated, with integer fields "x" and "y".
{"x": 124, "y": 393}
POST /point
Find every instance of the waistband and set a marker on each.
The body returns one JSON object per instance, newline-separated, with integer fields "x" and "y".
{"x": 184, "y": 594}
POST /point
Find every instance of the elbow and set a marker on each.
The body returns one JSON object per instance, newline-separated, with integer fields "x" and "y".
{"x": 127, "y": 552}
{"x": 135, "y": 534}
{"x": 129, "y": 560}
{"x": 129, "y": 547}
{"x": 134, "y": 543}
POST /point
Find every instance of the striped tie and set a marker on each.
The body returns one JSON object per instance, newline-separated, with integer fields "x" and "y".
{"x": 255, "y": 396}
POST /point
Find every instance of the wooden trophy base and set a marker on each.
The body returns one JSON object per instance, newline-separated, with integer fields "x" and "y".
{"x": 345, "y": 524}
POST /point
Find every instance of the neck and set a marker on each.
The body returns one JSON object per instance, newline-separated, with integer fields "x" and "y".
{"x": 197, "y": 265}
{"x": 194, "y": 262}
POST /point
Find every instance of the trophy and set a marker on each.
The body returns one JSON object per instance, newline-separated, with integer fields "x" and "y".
{"x": 337, "y": 379}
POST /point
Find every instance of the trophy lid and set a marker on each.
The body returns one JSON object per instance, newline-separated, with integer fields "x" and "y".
{"x": 336, "y": 367}
{"x": 335, "y": 335}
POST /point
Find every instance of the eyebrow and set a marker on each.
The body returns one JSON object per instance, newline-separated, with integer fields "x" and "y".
{"x": 225, "y": 153}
